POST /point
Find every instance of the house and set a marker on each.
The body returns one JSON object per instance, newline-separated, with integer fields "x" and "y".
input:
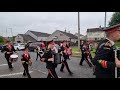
{"x": 23, "y": 38}
{"x": 38, "y": 36}
{"x": 31, "y": 36}
{"x": 95, "y": 33}
{"x": 81, "y": 36}
{"x": 63, "y": 35}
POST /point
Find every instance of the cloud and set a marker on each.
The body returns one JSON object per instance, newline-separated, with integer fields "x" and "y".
{"x": 48, "y": 22}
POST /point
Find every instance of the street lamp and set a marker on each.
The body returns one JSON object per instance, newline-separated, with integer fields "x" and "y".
{"x": 78, "y": 31}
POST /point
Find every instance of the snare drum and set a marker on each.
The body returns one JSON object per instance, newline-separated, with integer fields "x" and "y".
{"x": 14, "y": 57}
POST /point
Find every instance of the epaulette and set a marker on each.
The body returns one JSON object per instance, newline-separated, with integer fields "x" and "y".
{"x": 108, "y": 44}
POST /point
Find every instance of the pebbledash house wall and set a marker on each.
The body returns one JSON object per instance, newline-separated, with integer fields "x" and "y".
{"x": 42, "y": 39}
{"x": 95, "y": 35}
{"x": 60, "y": 36}
{"x": 19, "y": 38}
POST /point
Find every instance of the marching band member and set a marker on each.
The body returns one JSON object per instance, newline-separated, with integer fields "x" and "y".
{"x": 69, "y": 50}
{"x": 87, "y": 54}
{"x": 26, "y": 61}
{"x": 38, "y": 52}
{"x": 65, "y": 55}
{"x": 82, "y": 53}
{"x": 8, "y": 49}
{"x": 49, "y": 59}
{"x": 105, "y": 61}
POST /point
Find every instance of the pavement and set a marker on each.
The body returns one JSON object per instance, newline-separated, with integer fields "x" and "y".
{"x": 38, "y": 68}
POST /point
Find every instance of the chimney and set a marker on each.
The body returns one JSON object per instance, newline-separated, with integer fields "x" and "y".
{"x": 100, "y": 26}
{"x": 65, "y": 29}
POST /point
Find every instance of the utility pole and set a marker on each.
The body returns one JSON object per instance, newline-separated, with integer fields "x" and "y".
{"x": 78, "y": 30}
{"x": 105, "y": 20}
{"x": 105, "y": 23}
{"x": 12, "y": 34}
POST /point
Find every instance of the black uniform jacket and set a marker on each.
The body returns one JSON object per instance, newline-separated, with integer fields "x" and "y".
{"x": 49, "y": 54}
{"x": 25, "y": 57}
{"x": 104, "y": 59}
{"x": 6, "y": 49}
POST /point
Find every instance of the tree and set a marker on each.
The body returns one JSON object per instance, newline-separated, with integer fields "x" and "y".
{"x": 115, "y": 19}
{"x": 1, "y": 40}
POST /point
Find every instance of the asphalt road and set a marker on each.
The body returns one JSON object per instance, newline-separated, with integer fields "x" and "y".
{"x": 38, "y": 68}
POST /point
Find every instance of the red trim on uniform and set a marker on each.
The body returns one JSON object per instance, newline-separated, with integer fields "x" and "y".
{"x": 51, "y": 73}
{"x": 104, "y": 63}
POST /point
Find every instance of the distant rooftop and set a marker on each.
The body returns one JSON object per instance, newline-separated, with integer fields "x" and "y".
{"x": 69, "y": 34}
{"x": 41, "y": 34}
{"x": 95, "y": 29}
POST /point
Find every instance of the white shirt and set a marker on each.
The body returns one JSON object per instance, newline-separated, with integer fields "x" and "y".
{"x": 112, "y": 42}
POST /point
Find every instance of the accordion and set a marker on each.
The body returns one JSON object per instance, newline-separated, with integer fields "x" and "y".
{"x": 57, "y": 58}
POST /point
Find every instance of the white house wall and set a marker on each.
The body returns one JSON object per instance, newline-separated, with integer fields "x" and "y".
{"x": 60, "y": 37}
{"x": 32, "y": 35}
{"x": 42, "y": 38}
{"x": 19, "y": 38}
{"x": 74, "y": 40}
{"x": 93, "y": 35}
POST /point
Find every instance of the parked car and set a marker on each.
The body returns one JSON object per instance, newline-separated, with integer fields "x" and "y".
{"x": 32, "y": 46}
{"x": 1, "y": 46}
{"x": 19, "y": 46}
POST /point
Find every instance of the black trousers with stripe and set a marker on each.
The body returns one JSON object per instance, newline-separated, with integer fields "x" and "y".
{"x": 38, "y": 54}
{"x": 8, "y": 61}
{"x": 26, "y": 70}
{"x": 52, "y": 73}
{"x": 65, "y": 64}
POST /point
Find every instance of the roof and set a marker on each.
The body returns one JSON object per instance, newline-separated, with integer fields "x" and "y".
{"x": 76, "y": 34}
{"x": 95, "y": 29}
{"x": 69, "y": 35}
{"x": 41, "y": 34}
{"x": 112, "y": 27}
{"x": 84, "y": 37}
{"x": 27, "y": 37}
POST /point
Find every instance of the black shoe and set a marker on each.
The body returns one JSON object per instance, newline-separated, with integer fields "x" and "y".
{"x": 61, "y": 70}
{"x": 90, "y": 66}
{"x": 80, "y": 64}
{"x": 71, "y": 73}
{"x": 24, "y": 74}
{"x": 11, "y": 67}
{"x": 94, "y": 73}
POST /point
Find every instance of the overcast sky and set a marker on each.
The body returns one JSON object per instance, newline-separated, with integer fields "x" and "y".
{"x": 48, "y": 22}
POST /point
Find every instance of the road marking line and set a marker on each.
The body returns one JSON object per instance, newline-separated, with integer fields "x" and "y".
{"x": 3, "y": 64}
{"x": 43, "y": 72}
{"x": 13, "y": 74}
